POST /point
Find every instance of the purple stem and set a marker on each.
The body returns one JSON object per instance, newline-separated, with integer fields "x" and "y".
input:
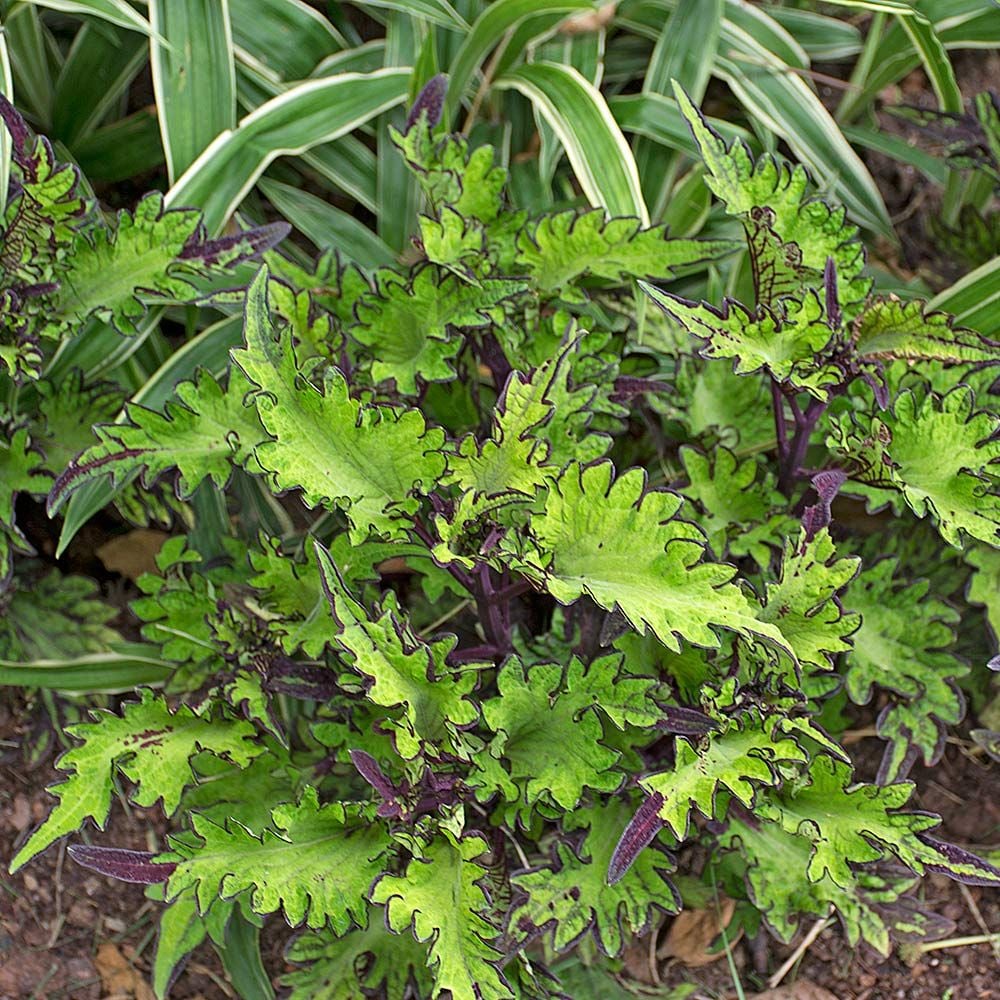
{"x": 490, "y": 612}
{"x": 805, "y": 424}
{"x": 509, "y": 592}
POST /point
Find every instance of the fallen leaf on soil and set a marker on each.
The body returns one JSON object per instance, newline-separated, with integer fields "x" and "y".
{"x": 118, "y": 978}
{"x": 134, "y": 553}
{"x": 20, "y": 813}
{"x": 801, "y": 989}
{"x": 692, "y": 932}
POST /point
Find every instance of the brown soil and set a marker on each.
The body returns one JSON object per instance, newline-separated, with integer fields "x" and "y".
{"x": 65, "y": 932}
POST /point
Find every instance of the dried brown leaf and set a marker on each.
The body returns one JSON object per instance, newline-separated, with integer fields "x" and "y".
{"x": 692, "y": 933}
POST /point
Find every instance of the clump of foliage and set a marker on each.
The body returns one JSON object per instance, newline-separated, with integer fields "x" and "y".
{"x": 579, "y": 598}
{"x": 65, "y": 268}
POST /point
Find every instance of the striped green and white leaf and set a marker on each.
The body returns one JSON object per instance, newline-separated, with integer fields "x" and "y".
{"x": 194, "y": 77}
{"x": 304, "y": 116}
{"x": 595, "y": 146}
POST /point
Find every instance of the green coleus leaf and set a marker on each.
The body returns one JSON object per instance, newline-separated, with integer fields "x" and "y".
{"x": 776, "y": 879}
{"x": 440, "y": 897}
{"x": 151, "y": 253}
{"x": 739, "y": 757}
{"x": 717, "y": 405}
{"x": 778, "y": 269}
{"x": 355, "y": 965}
{"x": 21, "y": 471}
{"x": 621, "y": 544}
{"x": 292, "y": 594}
{"x": 69, "y": 407}
{"x": 939, "y": 452}
{"x": 450, "y": 174}
{"x": 408, "y": 324}
{"x": 456, "y": 243}
{"x": 985, "y": 586}
{"x": 110, "y": 267}
{"x": 245, "y": 795}
{"x": 548, "y": 741}
{"x": 148, "y": 744}
{"x": 850, "y": 824}
{"x": 572, "y": 895}
{"x": 180, "y": 931}
{"x": 366, "y": 460}
{"x": 558, "y": 249}
{"x": 535, "y": 432}
{"x": 404, "y": 671}
{"x": 785, "y": 344}
{"x": 332, "y": 287}
{"x": 901, "y": 626}
{"x": 541, "y": 423}
{"x": 180, "y": 605}
{"x": 44, "y": 210}
{"x": 818, "y": 232}
{"x": 208, "y": 433}
{"x": 245, "y": 691}
{"x": 316, "y": 865}
{"x": 802, "y": 603}
{"x": 888, "y": 329}
{"x": 738, "y": 500}
{"x": 944, "y": 451}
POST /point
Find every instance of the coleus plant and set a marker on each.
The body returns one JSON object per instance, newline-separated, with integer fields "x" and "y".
{"x": 583, "y": 602}
{"x": 66, "y": 268}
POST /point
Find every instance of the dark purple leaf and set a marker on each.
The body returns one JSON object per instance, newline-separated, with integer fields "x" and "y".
{"x": 953, "y": 859}
{"x": 367, "y": 766}
{"x": 430, "y": 101}
{"x": 827, "y": 485}
{"x": 874, "y": 376}
{"x": 627, "y": 387}
{"x": 230, "y": 250}
{"x": 122, "y": 864}
{"x": 18, "y": 129}
{"x": 642, "y": 828}
{"x": 686, "y": 721}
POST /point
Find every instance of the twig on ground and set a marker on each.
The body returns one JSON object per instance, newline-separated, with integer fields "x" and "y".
{"x": 973, "y": 906}
{"x": 790, "y": 962}
{"x": 959, "y": 942}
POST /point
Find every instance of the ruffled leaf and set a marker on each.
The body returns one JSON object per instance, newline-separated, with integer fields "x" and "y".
{"x": 205, "y": 435}
{"x": 621, "y": 545}
{"x": 906, "y": 631}
{"x": 149, "y": 745}
{"x": 317, "y": 864}
{"x": 404, "y": 671}
{"x": 440, "y": 897}
{"x": 364, "y": 459}
{"x": 558, "y": 249}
